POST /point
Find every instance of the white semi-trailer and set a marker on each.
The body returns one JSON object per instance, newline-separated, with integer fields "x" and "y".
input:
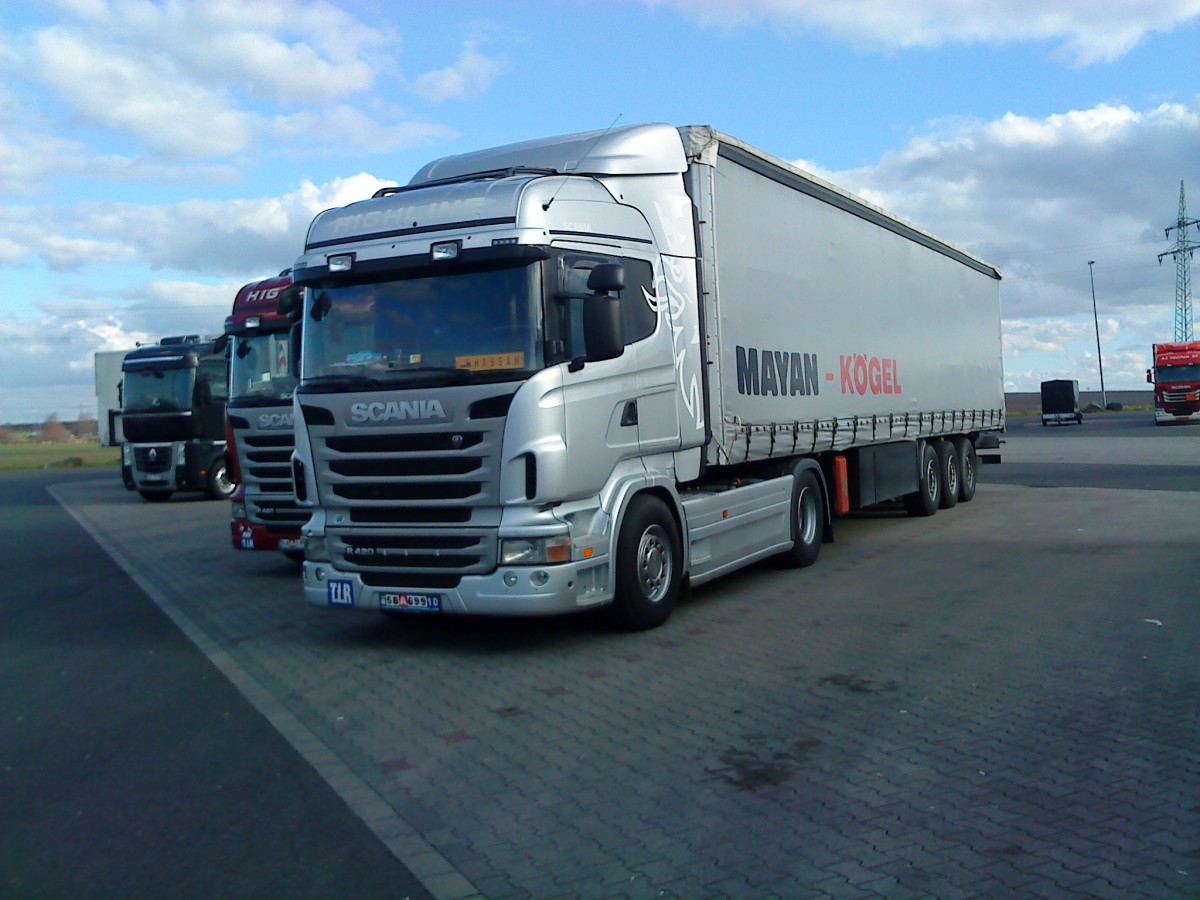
{"x": 591, "y": 369}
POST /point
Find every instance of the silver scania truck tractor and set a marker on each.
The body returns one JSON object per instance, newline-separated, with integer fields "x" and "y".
{"x": 590, "y": 370}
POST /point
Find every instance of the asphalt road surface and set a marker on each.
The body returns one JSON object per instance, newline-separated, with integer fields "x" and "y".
{"x": 998, "y": 701}
{"x": 129, "y": 765}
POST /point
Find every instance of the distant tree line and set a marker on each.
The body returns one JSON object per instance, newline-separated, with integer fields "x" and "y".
{"x": 51, "y": 431}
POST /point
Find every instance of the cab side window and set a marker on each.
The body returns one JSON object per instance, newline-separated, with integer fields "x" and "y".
{"x": 638, "y": 317}
{"x": 216, "y": 374}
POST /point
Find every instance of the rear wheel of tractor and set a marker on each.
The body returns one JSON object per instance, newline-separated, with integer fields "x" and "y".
{"x": 966, "y": 468}
{"x": 156, "y": 496}
{"x": 219, "y": 486}
{"x": 649, "y": 565}
{"x": 924, "y": 501}
{"x": 808, "y": 521}
{"x": 948, "y": 473}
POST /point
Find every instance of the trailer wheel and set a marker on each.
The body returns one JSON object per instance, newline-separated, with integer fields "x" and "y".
{"x": 219, "y": 485}
{"x": 924, "y": 501}
{"x": 648, "y": 565}
{"x": 948, "y": 473}
{"x": 808, "y": 521}
{"x": 966, "y": 468}
{"x": 156, "y": 496}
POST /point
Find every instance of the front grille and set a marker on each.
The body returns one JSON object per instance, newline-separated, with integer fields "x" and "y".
{"x": 457, "y": 552}
{"x": 156, "y": 458}
{"x": 416, "y": 505}
{"x": 265, "y": 458}
{"x": 279, "y": 514}
{"x": 1179, "y": 396}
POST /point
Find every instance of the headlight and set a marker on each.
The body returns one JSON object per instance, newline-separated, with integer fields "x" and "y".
{"x": 181, "y": 454}
{"x": 535, "y": 551}
{"x": 316, "y": 549}
{"x": 238, "y": 511}
{"x": 126, "y": 455}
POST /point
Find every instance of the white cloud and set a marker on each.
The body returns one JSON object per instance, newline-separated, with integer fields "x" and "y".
{"x": 318, "y": 132}
{"x": 138, "y": 94}
{"x": 1086, "y": 33}
{"x": 1041, "y": 197}
{"x": 174, "y": 87}
{"x": 469, "y": 76}
{"x": 208, "y": 237}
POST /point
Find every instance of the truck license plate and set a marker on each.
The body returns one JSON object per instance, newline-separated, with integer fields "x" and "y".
{"x": 154, "y": 476}
{"x": 411, "y": 602}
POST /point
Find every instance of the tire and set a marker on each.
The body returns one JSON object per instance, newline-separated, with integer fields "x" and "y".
{"x": 649, "y": 565}
{"x": 926, "y": 499}
{"x": 968, "y": 467}
{"x": 808, "y": 521}
{"x": 156, "y": 496}
{"x": 218, "y": 485}
{"x": 948, "y": 474}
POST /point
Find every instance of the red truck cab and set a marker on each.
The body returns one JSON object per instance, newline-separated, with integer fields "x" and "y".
{"x": 1176, "y": 380}
{"x": 259, "y": 420}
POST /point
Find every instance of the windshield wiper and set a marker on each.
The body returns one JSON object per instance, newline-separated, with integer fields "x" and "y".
{"x": 444, "y": 371}
{"x": 336, "y": 382}
{"x": 245, "y": 400}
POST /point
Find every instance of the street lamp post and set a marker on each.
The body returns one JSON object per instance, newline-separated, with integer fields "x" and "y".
{"x": 1096, "y": 319}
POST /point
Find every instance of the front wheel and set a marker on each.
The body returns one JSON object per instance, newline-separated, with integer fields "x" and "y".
{"x": 219, "y": 486}
{"x": 926, "y": 499}
{"x": 649, "y": 565}
{"x": 808, "y": 521}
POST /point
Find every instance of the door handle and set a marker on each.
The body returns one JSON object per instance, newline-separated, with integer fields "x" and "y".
{"x": 629, "y": 415}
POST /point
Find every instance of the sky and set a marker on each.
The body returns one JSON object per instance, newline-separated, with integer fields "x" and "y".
{"x": 156, "y": 156}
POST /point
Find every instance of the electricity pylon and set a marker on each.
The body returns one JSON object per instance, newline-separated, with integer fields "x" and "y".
{"x": 1182, "y": 254}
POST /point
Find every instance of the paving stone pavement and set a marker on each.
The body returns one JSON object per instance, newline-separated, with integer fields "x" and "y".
{"x": 981, "y": 704}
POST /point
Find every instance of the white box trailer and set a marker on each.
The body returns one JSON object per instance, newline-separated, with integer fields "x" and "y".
{"x": 107, "y": 365}
{"x": 829, "y": 321}
{"x": 586, "y": 370}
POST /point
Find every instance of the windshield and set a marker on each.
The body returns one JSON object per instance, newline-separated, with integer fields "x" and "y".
{"x": 1177, "y": 374}
{"x": 158, "y": 390}
{"x": 261, "y": 368}
{"x": 477, "y": 324}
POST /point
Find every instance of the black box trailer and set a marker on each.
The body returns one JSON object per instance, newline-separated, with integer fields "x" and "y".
{"x": 1060, "y": 402}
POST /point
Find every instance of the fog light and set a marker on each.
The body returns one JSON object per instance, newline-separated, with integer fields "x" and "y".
{"x": 319, "y": 574}
{"x": 238, "y": 511}
{"x": 539, "y": 578}
{"x": 510, "y": 579}
{"x": 316, "y": 549}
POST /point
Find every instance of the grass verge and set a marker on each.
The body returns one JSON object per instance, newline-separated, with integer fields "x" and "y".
{"x": 55, "y": 456}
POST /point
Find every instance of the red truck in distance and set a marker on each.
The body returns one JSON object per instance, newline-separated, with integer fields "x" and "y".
{"x": 1176, "y": 380}
{"x": 259, "y": 420}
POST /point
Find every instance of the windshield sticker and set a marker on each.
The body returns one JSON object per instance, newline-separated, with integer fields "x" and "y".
{"x": 490, "y": 362}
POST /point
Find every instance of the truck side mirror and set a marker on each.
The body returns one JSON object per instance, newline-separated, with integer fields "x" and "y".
{"x": 1149, "y": 376}
{"x": 602, "y": 338}
{"x": 288, "y": 303}
{"x": 294, "y": 336}
{"x": 607, "y": 278}
{"x": 204, "y": 392}
{"x": 221, "y": 343}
